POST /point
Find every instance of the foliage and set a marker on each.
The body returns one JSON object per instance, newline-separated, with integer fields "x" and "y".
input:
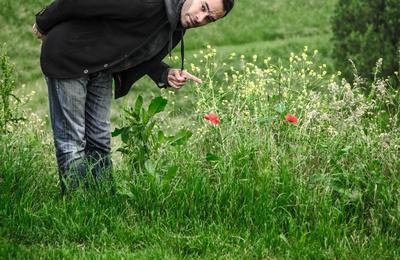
{"x": 365, "y": 31}
{"x": 250, "y": 185}
{"x": 142, "y": 142}
{"x": 7, "y": 86}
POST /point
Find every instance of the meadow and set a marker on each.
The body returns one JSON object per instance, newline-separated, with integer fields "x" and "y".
{"x": 273, "y": 156}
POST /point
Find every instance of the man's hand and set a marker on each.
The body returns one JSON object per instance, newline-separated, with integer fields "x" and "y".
{"x": 36, "y": 32}
{"x": 177, "y": 78}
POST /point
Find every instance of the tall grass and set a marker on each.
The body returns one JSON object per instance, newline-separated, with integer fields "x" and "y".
{"x": 254, "y": 185}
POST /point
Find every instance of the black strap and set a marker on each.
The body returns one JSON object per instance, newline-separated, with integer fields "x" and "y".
{"x": 182, "y": 53}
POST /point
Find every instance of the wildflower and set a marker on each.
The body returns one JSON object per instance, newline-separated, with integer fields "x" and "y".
{"x": 291, "y": 118}
{"x": 213, "y": 118}
{"x": 254, "y": 58}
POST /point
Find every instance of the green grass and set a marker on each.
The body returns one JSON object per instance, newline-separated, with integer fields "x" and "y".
{"x": 325, "y": 188}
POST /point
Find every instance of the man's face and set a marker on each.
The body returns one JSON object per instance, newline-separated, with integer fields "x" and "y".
{"x": 197, "y": 13}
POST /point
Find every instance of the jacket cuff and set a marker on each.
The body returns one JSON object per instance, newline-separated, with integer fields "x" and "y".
{"x": 164, "y": 80}
{"x": 159, "y": 74}
{"x": 38, "y": 21}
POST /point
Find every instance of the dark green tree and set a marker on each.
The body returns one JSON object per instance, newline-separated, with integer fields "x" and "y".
{"x": 365, "y": 31}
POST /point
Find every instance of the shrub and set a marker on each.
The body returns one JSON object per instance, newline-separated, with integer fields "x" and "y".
{"x": 365, "y": 31}
{"x": 7, "y": 86}
{"x": 141, "y": 140}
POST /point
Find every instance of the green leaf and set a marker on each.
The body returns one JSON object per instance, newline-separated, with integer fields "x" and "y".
{"x": 118, "y": 131}
{"x": 160, "y": 136}
{"x": 134, "y": 131}
{"x": 212, "y": 157}
{"x": 181, "y": 137}
{"x": 125, "y": 135}
{"x": 147, "y": 131}
{"x": 133, "y": 116}
{"x": 171, "y": 173}
{"x": 145, "y": 117}
{"x": 138, "y": 104}
{"x": 157, "y": 105}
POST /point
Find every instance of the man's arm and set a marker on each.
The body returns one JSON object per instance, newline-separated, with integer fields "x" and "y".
{"x": 159, "y": 74}
{"x": 61, "y": 10}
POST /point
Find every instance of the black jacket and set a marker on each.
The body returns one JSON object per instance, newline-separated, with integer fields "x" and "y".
{"x": 87, "y": 36}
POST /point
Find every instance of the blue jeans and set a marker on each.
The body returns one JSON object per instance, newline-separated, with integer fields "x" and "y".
{"x": 80, "y": 118}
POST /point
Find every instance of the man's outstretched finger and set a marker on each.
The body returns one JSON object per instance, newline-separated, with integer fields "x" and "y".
{"x": 191, "y": 77}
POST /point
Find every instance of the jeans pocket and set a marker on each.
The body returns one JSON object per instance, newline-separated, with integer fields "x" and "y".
{"x": 101, "y": 78}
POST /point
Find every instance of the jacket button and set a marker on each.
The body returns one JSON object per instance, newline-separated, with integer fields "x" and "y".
{"x": 85, "y": 71}
{"x": 105, "y": 65}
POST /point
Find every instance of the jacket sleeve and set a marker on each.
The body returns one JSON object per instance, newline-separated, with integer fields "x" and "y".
{"x": 61, "y": 10}
{"x": 159, "y": 73}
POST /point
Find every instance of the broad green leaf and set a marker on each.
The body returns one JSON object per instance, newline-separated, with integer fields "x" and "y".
{"x": 145, "y": 117}
{"x": 137, "y": 130}
{"x": 138, "y": 104}
{"x": 181, "y": 137}
{"x": 148, "y": 130}
{"x": 125, "y": 135}
{"x": 157, "y": 105}
{"x": 133, "y": 116}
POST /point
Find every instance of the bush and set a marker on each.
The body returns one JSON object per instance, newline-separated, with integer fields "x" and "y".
{"x": 7, "y": 86}
{"x": 365, "y": 31}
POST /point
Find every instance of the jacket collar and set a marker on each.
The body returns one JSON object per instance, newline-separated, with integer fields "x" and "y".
{"x": 173, "y": 8}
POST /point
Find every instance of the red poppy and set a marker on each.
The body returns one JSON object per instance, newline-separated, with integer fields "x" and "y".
{"x": 213, "y": 118}
{"x": 291, "y": 118}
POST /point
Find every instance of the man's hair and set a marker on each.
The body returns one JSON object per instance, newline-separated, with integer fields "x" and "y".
{"x": 228, "y": 5}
